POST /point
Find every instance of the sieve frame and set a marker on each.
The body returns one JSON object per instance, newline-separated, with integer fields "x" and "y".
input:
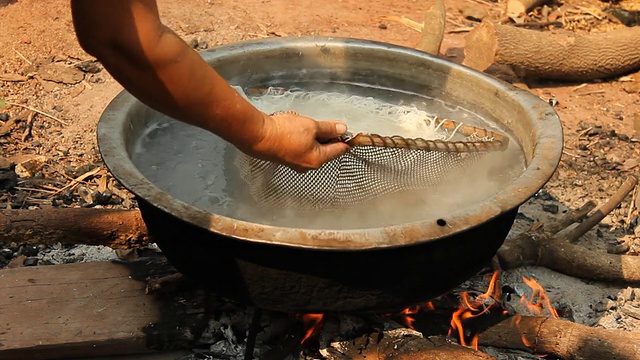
{"x": 541, "y": 137}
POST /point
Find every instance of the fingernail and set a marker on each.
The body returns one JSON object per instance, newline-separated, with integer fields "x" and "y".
{"x": 341, "y": 128}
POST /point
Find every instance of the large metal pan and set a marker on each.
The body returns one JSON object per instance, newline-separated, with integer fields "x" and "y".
{"x": 327, "y": 270}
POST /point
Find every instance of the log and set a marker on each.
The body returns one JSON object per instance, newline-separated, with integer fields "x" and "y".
{"x": 560, "y": 56}
{"x": 545, "y": 247}
{"x": 433, "y": 28}
{"x": 561, "y": 255}
{"x": 401, "y": 344}
{"x": 117, "y": 229}
{"x": 562, "y": 338}
{"x": 93, "y": 309}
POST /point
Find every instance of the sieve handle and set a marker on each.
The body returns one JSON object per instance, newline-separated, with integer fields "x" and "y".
{"x": 497, "y": 142}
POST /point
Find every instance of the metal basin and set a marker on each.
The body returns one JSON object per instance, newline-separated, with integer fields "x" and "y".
{"x": 329, "y": 270}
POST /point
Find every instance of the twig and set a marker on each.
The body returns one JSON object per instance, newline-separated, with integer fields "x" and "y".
{"x": 602, "y": 211}
{"x": 570, "y": 218}
{"x": 582, "y": 133}
{"x": 459, "y": 30}
{"x": 591, "y": 93}
{"x": 34, "y": 190}
{"x": 579, "y": 87}
{"x": 22, "y": 56}
{"x": 79, "y": 179}
{"x": 39, "y": 112}
{"x": 27, "y": 130}
{"x": 632, "y": 205}
{"x": 404, "y": 21}
{"x": 570, "y": 154}
{"x": 538, "y": 24}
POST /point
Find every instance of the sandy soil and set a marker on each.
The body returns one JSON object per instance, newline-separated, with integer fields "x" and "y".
{"x": 598, "y": 117}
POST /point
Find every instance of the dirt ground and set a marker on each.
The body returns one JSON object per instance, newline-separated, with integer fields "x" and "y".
{"x": 50, "y": 72}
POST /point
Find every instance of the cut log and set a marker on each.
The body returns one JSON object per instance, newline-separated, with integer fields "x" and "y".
{"x": 113, "y": 228}
{"x": 433, "y": 28}
{"x": 91, "y": 309}
{"x": 560, "y": 56}
{"x": 561, "y": 338}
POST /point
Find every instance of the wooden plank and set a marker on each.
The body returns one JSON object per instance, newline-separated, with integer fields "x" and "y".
{"x": 81, "y": 310}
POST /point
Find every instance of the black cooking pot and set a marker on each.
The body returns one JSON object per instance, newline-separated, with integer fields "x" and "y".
{"x": 328, "y": 270}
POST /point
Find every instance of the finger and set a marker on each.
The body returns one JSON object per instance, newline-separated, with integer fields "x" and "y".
{"x": 327, "y": 130}
{"x": 331, "y": 151}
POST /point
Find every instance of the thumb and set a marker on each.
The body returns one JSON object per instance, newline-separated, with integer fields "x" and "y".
{"x": 327, "y": 130}
{"x": 328, "y": 152}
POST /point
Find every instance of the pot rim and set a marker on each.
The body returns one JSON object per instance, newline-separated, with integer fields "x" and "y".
{"x": 546, "y": 156}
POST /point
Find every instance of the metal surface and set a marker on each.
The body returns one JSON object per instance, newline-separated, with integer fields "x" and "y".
{"x": 340, "y": 270}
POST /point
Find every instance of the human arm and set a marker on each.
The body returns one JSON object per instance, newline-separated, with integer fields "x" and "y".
{"x": 161, "y": 70}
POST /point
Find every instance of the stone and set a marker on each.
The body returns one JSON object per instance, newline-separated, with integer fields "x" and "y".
{"x": 89, "y": 66}
{"x": 550, "y": 208}
{"x": 30, "y": 261}
{"x": 60, "y": 74}
{"x": 474, "y": 13}
{"x": 8, "y": 180}
{"x": 4, "y": 116}
{"x": 28, "y": 250}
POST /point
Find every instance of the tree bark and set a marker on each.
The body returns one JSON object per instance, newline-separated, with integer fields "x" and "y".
{"x": 561, "y": 56}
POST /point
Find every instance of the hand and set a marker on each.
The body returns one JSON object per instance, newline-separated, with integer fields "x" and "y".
{"x": 298, "y": 141}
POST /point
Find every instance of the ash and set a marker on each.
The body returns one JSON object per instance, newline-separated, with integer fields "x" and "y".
{"x": 58, "y": 254}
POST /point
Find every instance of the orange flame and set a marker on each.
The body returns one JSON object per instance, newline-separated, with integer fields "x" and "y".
{"x": 542, "y": 301}
{"x": 471, "y": 308}
{"x": 537, "y": 304}
{"x": 517, "y": 318}
{"x": 407, "y": 313}
{"x": 312, "y": 324}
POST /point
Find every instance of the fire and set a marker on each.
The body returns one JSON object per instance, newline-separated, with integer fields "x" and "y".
{"x": 407, "y": 313}
{"x": 542, "y": 301}
{"x": 312, "y": 325}
{"x": 473, "y": 308}
{"x": 470, "y": 308}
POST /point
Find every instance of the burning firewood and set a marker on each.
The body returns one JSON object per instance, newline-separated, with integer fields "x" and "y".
{"x": 562, "y": 55}
{"x": 561, "y": 338}
{"x": 401, "y": 344}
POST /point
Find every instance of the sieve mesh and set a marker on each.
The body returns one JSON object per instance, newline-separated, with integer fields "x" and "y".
{"x": 375, "y": 166}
